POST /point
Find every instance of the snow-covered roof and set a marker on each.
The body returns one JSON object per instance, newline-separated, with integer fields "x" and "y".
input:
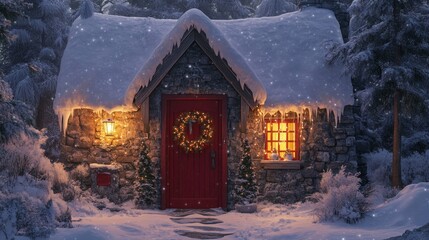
{"x": 196, "y": 19}
{"x": 108, "y": 58}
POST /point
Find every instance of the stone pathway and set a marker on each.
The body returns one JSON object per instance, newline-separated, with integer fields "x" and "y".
{"x": 180, "y": 216}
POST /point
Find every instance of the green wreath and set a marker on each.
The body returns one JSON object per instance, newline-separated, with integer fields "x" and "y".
{"x": 179, "y": 129}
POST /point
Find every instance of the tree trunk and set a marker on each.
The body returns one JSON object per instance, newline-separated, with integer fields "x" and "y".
{"x": 396, "y": 162}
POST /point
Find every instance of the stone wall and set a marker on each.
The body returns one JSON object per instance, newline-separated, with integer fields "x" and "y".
{"x": 194, "y": 73}
{"x": 85, "y": 142}
{"x": 327, "y": 142}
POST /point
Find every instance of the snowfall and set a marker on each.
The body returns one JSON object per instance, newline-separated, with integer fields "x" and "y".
{"x": 407, "y": 211}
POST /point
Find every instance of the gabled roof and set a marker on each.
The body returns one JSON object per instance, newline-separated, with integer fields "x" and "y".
{"x": 199, "y": 29}
{"x": 108, "y": 58}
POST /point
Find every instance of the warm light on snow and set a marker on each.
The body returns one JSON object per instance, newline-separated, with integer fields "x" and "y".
{"x": 272, "y": 221}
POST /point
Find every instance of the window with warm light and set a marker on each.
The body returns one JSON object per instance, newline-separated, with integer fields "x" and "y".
{"x": 282, "y": 136}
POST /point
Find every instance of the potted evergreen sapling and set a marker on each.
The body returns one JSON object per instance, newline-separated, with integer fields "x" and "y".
{"x": 146, "y": 191}
{"x": 245, "y": 185}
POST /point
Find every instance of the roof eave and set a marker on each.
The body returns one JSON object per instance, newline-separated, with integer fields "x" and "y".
{"x": 190, "y": 36}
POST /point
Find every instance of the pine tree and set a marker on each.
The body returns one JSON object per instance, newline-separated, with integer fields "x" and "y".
{"x": 384, "y": 57}
{"x": 245, "y": 187}
{"x": 274, "y": 8}
{"x": 146, "y": 191}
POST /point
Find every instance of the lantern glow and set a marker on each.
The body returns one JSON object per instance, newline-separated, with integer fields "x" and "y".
{"x": 109, "y": 127}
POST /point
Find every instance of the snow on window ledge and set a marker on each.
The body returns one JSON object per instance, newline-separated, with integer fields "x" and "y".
{"x": 278, "y": 164}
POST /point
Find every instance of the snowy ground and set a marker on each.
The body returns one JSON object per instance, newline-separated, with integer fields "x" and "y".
{"x": 408, "y": 210}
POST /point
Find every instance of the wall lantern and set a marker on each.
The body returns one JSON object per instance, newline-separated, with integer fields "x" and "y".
{"x": 109, "y": 127}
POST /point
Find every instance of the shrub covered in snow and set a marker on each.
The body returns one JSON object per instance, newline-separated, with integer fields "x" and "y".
{"x": 25, "y": 214}
{"x": 415, "y": 168}
{"x": 81, "y": 175}
{"x": 340, "y": 197}
{"x": 61, "y": 182}
{"x": 27, "y": 204}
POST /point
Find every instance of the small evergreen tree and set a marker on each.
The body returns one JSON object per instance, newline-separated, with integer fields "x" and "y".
{"x": 245, "y": 187}
{"x": 146, "y": 192}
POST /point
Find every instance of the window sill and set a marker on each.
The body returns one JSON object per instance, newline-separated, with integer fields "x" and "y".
{"x": 279, "y": 164}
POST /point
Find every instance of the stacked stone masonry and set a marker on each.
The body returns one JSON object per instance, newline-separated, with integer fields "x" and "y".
{"x": 195, "y": 73}
{"x": 85, "y": 142}
{"x": 326, "y": 143}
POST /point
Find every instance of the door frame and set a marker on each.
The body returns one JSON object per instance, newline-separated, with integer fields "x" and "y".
{"x": 166, "y": 98}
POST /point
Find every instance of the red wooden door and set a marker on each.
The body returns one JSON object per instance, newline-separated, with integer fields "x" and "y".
{"x": 194, "y": 179}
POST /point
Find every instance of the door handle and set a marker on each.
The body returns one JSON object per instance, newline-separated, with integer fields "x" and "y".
{"x": 213, "y": 158}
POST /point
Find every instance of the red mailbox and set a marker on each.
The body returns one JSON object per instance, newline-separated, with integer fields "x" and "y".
{"x": 103, "y": 179}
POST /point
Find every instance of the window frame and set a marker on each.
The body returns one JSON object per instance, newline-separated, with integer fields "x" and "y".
{"x": 269, "y": 133}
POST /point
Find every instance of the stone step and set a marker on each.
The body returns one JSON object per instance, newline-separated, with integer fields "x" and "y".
{"x": 201, "y": 235}
{"x": 203, "y": 212}
{"x": 208, "y": 229}
{"x": 181, "y": 220}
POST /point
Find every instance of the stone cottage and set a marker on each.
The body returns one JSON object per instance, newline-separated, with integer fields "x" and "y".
{"x": 194, "y": 89}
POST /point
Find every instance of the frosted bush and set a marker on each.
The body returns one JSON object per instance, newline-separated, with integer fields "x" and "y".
{"x": 30, "y": 216}
{"x": 80, "y": 172}
{"x": 340, "y": 197}
{"x": 80, "y": 177}
{"x": 24, "y": 155}
{"x": 60, "y": 175}
{"x": 416, "y": 143}
{"x": 415, "y": 168}
{"x": 26, "y": 180}
{"x": 61, "y": 183}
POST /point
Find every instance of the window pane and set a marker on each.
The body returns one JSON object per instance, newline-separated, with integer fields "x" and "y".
{"x": 275, "y": 136}
{"x": 275, "y": 126}
{"x": 282, "y": 146}
{"x": 283, "y": 126}
{"x": 291, "y": 146}
{"x": 281, "y": 136}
